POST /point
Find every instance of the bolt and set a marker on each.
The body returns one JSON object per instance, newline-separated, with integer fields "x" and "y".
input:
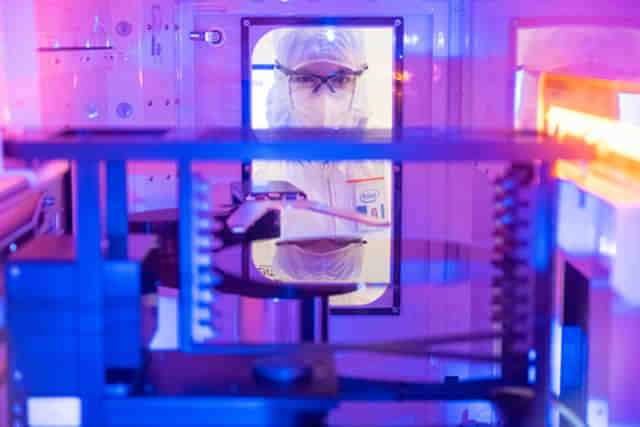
{"x": 398, "y": 22}
{"x": 14, "y": 271}
{"x": 17, "y": 375}
{"x": 246, "y": 22}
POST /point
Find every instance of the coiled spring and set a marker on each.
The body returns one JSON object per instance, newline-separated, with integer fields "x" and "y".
{"x": 511, "y": 287}
{"x": 203, "y": 297}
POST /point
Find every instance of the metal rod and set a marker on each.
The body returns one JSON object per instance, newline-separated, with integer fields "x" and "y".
{"x": 544, "y": 268}
{"x": 409, "y": 347}
{"x": 185, "y": 246}
{"x": 73, "y": 48}
{"x": 355, "y": 389}
{"x": 117, "y": 218}
{"x": 325, "y": 319}
{"x": 90, "y": 363}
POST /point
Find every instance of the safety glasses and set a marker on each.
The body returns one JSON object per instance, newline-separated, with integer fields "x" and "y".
{"x": 338, "y": 81}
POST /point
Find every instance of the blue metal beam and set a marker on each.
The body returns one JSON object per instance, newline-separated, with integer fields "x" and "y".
{"x": 88, "y": 287}
{"x": 414, "y": 145}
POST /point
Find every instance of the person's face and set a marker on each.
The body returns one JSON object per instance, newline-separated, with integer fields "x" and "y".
{"x": 319, "y": 101}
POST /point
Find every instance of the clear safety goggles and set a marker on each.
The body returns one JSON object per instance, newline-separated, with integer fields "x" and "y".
{"x": 342, "y": 81}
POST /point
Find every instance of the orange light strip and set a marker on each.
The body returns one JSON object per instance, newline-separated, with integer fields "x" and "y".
{"x": 607, "y": 135}
{"x": 614, "y": 177}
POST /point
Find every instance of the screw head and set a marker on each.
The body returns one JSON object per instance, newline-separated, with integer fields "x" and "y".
{"x": 124, "y": 28}
{"x": 246, "y": 22}
{"x": 14, "y": 271}
{"x": 124, "y": 110}
{"x": 17, "y": 375}
{"x": 397, "y": 22}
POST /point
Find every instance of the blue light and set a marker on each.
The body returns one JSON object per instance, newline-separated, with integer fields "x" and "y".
{"x": 531, "y": 375}
{"x": 532, "y": 355}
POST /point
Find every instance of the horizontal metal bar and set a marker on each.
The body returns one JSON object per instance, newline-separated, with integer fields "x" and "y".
{"x": 371, "y": 390}
{"x": 236, "y": 144}
{"x": 72, "y": 48}
{"x": 408, "y": 347}
{"x": 211, "y": 410}
{"x": 367, "y": 21}
{"x": 263, "y": 67}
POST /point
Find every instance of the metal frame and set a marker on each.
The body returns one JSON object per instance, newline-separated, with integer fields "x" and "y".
{"x": 397, "y": 23}
{"x": 85, "y": 288}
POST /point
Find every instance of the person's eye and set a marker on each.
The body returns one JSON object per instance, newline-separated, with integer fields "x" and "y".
{"x": 303, "y": 79}
{"x": 342, "y": 79}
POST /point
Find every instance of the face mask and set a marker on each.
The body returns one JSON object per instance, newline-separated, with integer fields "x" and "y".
{"x": 305, "y": 264}
{"x": 322, "y": 109}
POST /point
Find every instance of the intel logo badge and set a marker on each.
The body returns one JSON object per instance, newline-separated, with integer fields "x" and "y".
{"x": 369, "y": 196}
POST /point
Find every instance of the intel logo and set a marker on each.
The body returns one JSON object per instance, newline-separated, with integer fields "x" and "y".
{"x": 369, "y": 196}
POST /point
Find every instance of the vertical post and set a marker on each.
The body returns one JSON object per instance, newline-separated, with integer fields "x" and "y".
{"x": 307, "y": 319}
{"x": 543, "y": 259}
{"x": 459, "y": 48}
{"x": 575, "y": 339}
{"x": 325, "y": 319}
{"x": 185, "y": 245}
{"x": 117, "y": 218}
{"x": 88, "y": 288}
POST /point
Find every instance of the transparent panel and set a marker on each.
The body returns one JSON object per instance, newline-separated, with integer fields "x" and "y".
{"x": 326, "y": 77}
